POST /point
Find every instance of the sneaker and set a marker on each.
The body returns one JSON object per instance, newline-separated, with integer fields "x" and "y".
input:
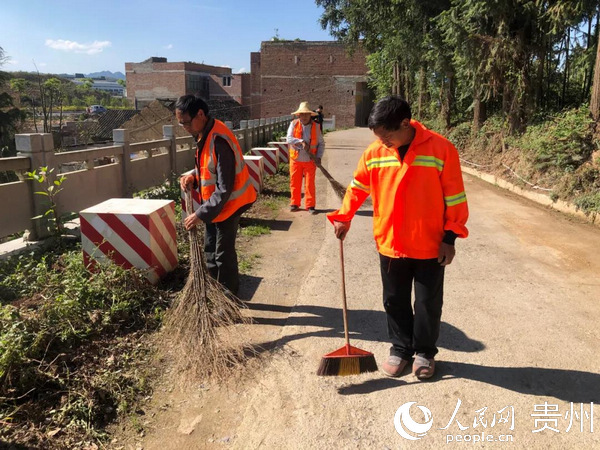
{"x": 394, "y": 366}
{"x": 423, "y": 368}
{"x": 294, "y": 208}
{"x": 313, "y": 211}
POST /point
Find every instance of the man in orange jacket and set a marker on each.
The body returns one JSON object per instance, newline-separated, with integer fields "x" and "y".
{"x": 305, "y": 140}
{"x": 225, "y": 188}
{"x": 419, "y": 209}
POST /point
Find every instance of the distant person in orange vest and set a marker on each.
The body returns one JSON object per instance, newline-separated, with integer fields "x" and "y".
{"x": 225, "y": 188}
{"x": 414, "y": 178}
{"x": 304, "y": 137}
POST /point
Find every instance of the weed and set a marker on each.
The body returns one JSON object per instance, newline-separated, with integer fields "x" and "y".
{"x": 255, "y": 230}
{"x": 589, "y": 204}
{"x": 50, "y": 188}
{"x": 56, "y": 360}
{"x": 247, "y": 262}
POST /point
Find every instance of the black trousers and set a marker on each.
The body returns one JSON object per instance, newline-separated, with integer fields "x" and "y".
{"x": 219, "y": 250}
{"x": 412, "y": 332}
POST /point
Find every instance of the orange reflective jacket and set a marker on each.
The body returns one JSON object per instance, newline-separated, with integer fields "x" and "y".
{"x": 243, "y": 191}
{"x": 415, "y": 200}
{"x": 314, "y": 143}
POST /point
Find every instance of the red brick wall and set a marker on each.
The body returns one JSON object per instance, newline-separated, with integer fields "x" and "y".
{"x": 147, "y": 81}
{"x": 255, "y": 85}
{"x": 246, "y": 87}
{"x": 287, "y": 73}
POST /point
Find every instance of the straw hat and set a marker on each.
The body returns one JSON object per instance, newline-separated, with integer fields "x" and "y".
{"x": 304, "y": 108}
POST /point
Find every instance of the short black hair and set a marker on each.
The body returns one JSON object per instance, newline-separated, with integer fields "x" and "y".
{"x": 320, "y": 107}
{"x": 191, "y": 104}
{"x": 389, "y": 112}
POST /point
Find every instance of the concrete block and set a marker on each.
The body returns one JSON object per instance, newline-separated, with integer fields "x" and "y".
{"x": 271, "y": 158}
{"x": 256, "y": 170}
{"x": 133, "y": 233}
{"x": 284, "y": 151}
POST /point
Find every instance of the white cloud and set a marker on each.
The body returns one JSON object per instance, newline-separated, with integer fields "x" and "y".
{"x": 168, "y": 47}
{"x": 242, "y": 70}
{"x": 12, "y": 62}
{"x": 76, "y": 47}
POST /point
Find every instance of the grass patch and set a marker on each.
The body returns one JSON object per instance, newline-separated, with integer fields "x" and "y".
{"x": 70, "y": 352}
{"x": 255, "y": 230}
{"x": 247, "y": 262}
{"x": 75, "y": 351}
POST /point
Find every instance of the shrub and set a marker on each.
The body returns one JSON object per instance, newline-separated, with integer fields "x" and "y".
{"x": 562, "y": 143}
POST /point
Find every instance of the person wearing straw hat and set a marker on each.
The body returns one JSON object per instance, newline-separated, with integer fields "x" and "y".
{"x": 306, "y": 146}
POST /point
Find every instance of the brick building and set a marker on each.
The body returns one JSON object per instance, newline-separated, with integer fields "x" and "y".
{"x": 284, "y": 73}
{"x": 156, "y": 78}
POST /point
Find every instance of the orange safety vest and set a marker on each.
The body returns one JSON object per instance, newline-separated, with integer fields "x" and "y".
{"x": 414, "y": 200}
{"x": 243, "y": 191}
{"x": 297, "y": 133}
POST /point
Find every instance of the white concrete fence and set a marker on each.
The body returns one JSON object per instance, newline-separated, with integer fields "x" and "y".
{"x": 130, "y": 168}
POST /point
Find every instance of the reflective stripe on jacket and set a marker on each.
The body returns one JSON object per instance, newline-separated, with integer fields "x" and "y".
{"x": 415, "y": 200}
{"x": 243, "y": 192}
{"x": 314, "y": 142}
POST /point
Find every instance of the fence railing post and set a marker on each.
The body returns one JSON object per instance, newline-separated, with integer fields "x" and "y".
{"x": 39, "y": 148}
{"x": 247, "y": 139}
{"x": 121, "y": 137}
{"x": 169, "y": 133}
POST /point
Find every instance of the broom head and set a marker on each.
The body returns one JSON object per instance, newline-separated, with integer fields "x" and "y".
{"x": 347, "y": 360}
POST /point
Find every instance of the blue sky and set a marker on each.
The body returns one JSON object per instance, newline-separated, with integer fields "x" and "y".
{"x": 84, "y": 36}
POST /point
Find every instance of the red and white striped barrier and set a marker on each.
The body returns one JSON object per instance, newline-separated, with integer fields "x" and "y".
{"x": 256, "y": 168}
{"x": 133, "y": 233}
{"x": 271, "y": 155}
{"x": 284, "y": 150}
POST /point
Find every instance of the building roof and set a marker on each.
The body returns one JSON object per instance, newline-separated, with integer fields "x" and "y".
{"x": 109, "y": 121}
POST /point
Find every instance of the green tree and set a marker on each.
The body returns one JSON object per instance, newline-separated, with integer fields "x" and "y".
{"x": 10, "y": 116}
{"x": 19, "y": 85}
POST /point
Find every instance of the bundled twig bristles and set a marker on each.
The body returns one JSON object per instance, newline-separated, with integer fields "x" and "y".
{"x": 199, "y": 324}
{"x": 338, "y": 188}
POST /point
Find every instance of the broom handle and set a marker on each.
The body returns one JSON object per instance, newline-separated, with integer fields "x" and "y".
{"x": 313, "y": 158}
{"x": 345, "y": 307}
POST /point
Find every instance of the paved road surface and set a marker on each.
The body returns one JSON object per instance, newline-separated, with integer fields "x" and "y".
{"x": 519, "y": 343}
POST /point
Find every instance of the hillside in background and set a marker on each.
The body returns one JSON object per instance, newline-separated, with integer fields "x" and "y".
{"x": 107, "y": 74}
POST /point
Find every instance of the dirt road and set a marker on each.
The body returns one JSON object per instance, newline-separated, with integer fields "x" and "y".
{"x": 519, "y": 343}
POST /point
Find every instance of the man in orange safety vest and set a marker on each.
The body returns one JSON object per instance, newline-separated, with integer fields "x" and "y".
{"x": 414, "y": 178}
{"x": 225, "y": 188}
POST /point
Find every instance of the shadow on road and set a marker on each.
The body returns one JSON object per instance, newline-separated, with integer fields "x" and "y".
{"x": 366, "y": 325}
{"x": 567, "y": 385}
{"x": 277, "y": 225}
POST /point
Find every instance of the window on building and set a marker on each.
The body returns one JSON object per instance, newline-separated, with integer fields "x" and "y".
{"x": 197, "y": 84}
{"x": 227, "y": 80}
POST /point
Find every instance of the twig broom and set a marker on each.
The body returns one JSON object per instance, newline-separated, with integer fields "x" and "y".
{"x": 196, "y": 323}
{"x": 338, "y": 188}
{"x": 347, "y": 360}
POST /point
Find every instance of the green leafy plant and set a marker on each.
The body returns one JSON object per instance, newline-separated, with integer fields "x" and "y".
{"x": 50, "y": 189}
